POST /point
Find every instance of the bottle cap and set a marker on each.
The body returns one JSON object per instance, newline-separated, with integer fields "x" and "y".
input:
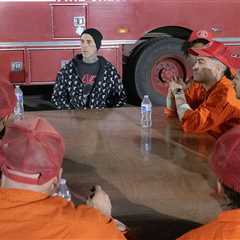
{"x": 63, "y": 181}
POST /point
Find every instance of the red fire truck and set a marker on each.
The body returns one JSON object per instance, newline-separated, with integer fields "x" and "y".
{"x": 38, "y": 37}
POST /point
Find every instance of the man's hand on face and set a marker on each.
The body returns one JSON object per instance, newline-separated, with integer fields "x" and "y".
{"x": 177, "y": 83}
{"x": 100, "y": 200}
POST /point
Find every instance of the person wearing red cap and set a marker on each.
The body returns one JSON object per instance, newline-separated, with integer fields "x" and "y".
{"x": 32, "y": 157}
{"x": 200, "y": 38}
{"x": 197, "y": 39}
{"x": 7, "y": 103}
{"x": 225, "y": 163}
{"x": 209, "y": 104}
{"x": 88, "y": 80}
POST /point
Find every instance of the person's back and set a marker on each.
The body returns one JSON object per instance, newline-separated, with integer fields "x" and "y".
{"x": 226, "y": 165}
{"x": 32, "y": 215}
{"x": 225, "y": 227}
{"x": 31, "y": 156}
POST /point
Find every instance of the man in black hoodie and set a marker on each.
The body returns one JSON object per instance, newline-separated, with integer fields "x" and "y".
{"x": 88, "y": 80}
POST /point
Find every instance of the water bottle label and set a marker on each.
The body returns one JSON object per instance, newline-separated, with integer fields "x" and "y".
{"x": 19, "y": 100}
{"x": 146, "y": 108}
{"x": 19, "y": 108}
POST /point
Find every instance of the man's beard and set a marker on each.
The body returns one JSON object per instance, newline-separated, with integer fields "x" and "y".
{"x": 199, "y": 80}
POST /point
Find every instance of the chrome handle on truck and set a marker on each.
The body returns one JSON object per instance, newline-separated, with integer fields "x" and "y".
{"x": 16, "y": 66}
{"x": 79, "y": 22}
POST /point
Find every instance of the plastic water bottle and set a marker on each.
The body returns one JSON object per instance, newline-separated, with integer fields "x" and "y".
{"x": 63, "y": 190}
{"x": 146, "y": 112}
{"x": 146, "y": 143}
{"x": 146, "y": 140}
{"x": 19, "y": 108}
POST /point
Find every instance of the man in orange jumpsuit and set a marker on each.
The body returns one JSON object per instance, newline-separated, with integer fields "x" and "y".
{"x": 32, "y": 156}
{"x": 225, "y": 163}
{"x": 7, "y": 103}
{"x": 209, "y": 104}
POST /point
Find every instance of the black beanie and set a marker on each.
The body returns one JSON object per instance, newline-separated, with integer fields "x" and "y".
{"x": 96, "y": 35}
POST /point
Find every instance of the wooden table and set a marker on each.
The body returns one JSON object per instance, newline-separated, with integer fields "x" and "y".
{"x": 157, "y": 174}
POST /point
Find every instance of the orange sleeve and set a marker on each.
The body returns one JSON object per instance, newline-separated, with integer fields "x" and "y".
{"x": 95, "y": 225}
{"x": 194, "y": 94}
{"x": 211, "y": 231}
{"x": 210, "y": 114}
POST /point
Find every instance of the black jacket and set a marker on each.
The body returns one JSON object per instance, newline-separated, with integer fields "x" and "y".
{"x": 107, "y": 90}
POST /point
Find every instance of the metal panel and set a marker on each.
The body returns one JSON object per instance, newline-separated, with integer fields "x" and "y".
{"x": 31, "y": 21}
{"x": 66, "y": 19}
{"x": 25, "y": 21}
{"x": 12, "y": 65}
{"x": 61, "y": 43}
{"x": 45, "y": 63}
{"x": 142, "y": 16}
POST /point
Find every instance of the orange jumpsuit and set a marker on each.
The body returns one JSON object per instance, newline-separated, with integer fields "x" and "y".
{"x": 33, "y": 215}
{"x": 214, "y": 111}
{"x": 225, "y": 227}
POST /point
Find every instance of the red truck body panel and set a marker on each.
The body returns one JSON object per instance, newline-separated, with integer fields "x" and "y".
{"x": 37, "y": 37}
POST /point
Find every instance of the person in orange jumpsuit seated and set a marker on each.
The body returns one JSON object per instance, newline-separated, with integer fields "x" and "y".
{"x": 7, "y": 103}
{"x": 32, "y": 157}
{"x": 225, "y": 163}
{"x": 209, "y": 104}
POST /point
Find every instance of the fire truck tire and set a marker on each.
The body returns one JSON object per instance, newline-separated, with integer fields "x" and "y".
{"x": 141, "y": 47}
{"x": 129, "y": 73}
{"x": 154, "y": 57}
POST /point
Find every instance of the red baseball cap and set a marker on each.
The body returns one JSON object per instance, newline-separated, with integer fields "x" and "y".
{"x": 225, "y": 160}
{"x": 200, "y": 34}
{"x": 216, "y": 50}
{"x": 7, "y": 98}
{"x": 32, "y": 146}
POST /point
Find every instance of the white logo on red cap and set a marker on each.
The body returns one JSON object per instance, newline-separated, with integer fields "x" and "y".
{"x": 202, "y": 34}
{"x": 235, "y": 55}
